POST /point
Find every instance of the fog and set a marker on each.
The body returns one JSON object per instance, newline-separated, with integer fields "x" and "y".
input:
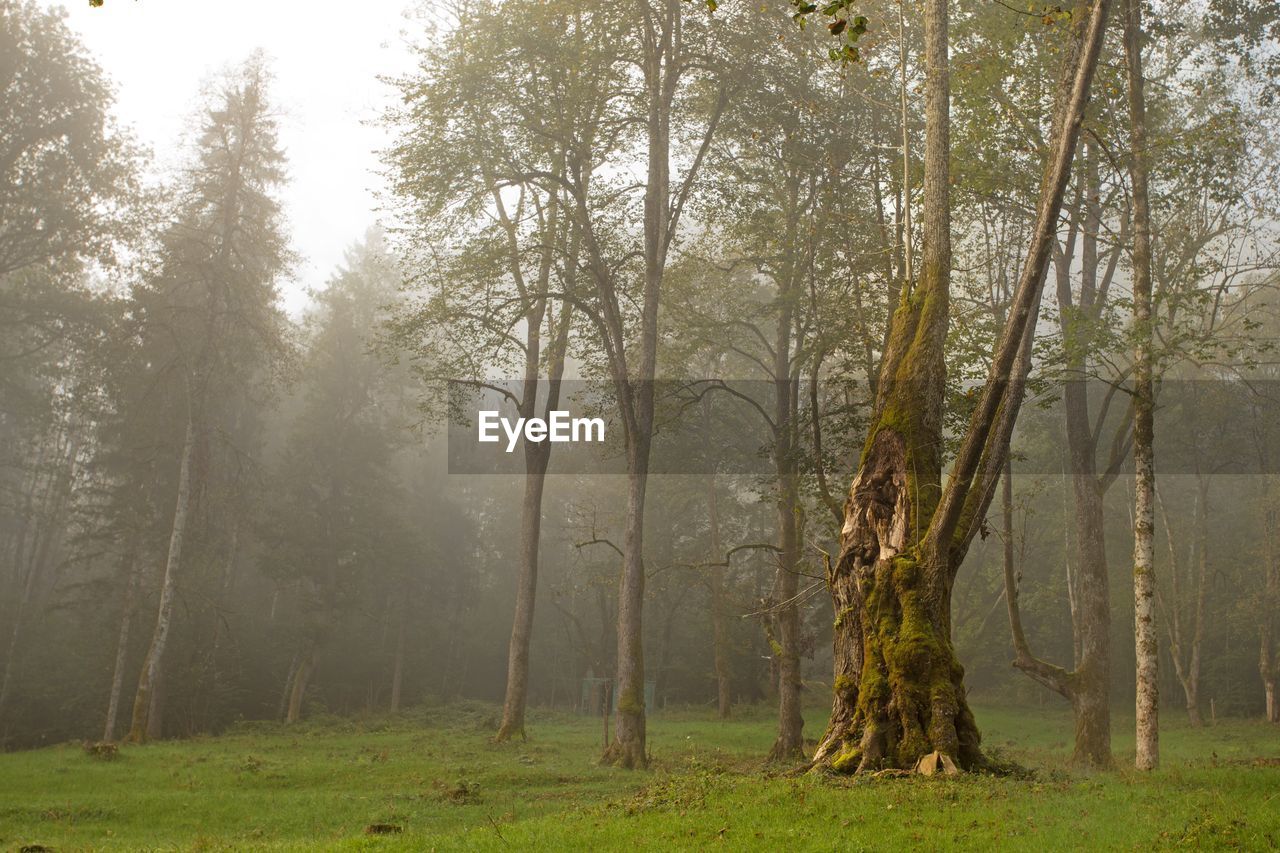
{"x": 722, "y": 392}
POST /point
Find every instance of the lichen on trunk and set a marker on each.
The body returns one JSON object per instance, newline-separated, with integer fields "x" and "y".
{"x": 899, "y": 693}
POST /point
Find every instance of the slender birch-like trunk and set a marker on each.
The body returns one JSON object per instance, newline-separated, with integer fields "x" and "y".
{"x": 1148, "y": 685}
{"x": 397, "y": 667}
{"x": 122, "y": 643}
{"x": 148, "y": 682}
{"x": 301, "y": 678}
{"x": 719, "y": 628}
{"x": 789, "y": 743}
{"x": 1268, "y": 659}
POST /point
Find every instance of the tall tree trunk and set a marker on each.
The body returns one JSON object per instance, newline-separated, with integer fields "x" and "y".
{"x": 48, "y": 529}
{"x": 1089, "y": 688}
{"x": 1087, "y": 685}
{"x": 1268, "y": 659}
{"x": 719, "y": 628}
{"x": 789, "y": 743}
{"x": 301, "y": 678}
{"x": 1148, "y": 686}
{"x": 155, "y": 710}
{"x": 664, "y": 59}
{"x": 537, "y": 456}
{"x": 151, "y": 665}
{"x": 132, "y": 569}
{"x": 526, "y": 592}
{"x": 898, "y": 686}
{"x": 1184, "y": 651}
{"x": 628, "y": 747}
{"x": 661, "y": 67}
{"x": 397, "y": 667}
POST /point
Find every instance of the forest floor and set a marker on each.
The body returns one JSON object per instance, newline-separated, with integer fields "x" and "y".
{"x": 433, "y": 780}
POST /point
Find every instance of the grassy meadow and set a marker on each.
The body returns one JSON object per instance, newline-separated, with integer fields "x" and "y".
{"x": 432, "y": 780}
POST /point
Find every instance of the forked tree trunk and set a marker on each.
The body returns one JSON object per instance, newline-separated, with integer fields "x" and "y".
{"x": 898, "y": 686}
{"x": 1148, "y": 686}
{"x": 151, "y": 666}
{"x": 899, "y": 692}
{"x": 537, "y": 457}
{"x": 1087, "y": 685}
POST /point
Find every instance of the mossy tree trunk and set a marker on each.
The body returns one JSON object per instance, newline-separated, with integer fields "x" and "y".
{"x": 899, "y": 692}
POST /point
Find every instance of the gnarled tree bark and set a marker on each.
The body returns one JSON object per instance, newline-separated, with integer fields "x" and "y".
{"x": 899, "y": 692}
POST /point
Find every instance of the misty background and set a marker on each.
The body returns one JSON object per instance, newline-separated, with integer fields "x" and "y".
{"x": 236, "y": 290}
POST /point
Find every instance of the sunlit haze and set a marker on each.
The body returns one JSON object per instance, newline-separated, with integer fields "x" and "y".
{"x": 326, "y": 58}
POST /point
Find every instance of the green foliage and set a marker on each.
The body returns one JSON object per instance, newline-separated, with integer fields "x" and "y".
{"x": 845, "y": 25}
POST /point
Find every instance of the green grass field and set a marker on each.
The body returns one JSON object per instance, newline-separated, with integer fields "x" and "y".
{"x": 435, "y": 775}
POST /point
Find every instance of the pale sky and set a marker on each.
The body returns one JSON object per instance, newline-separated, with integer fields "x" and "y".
{"x": 326, "y": 56}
